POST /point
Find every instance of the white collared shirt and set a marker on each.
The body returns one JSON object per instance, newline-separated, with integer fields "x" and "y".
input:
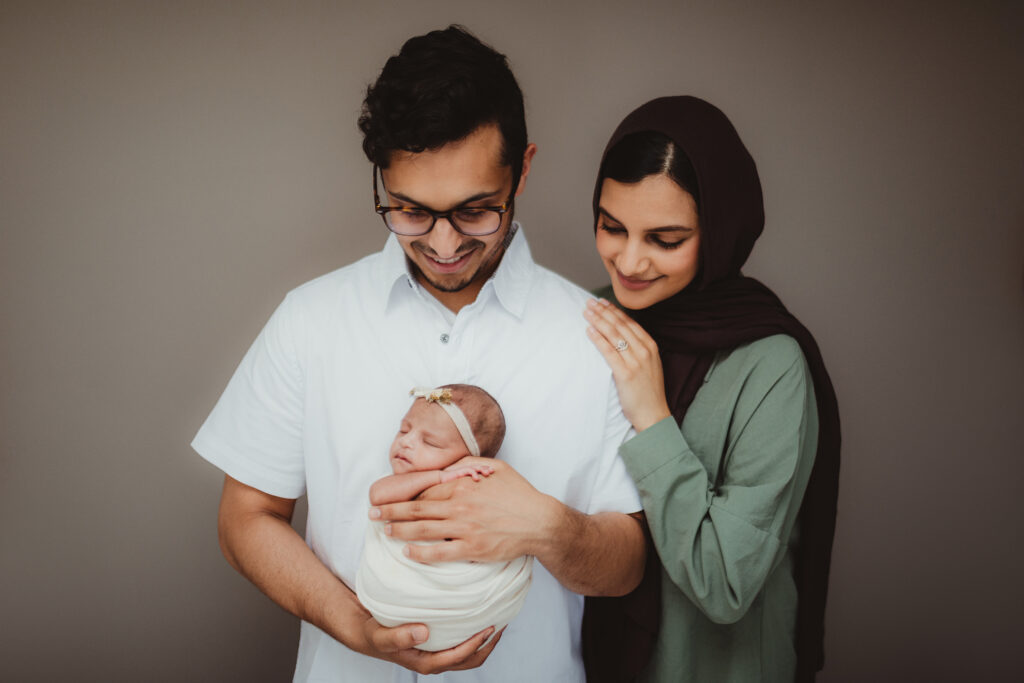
{"x": 318, "y": 398}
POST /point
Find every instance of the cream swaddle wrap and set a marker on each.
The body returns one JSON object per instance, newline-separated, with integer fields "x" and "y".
{"x": 456, "y": 600}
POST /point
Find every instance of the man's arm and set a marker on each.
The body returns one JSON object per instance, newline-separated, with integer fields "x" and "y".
{"x": 601, "y": 554}
{"x": 257, "y": 539}
{"x": 503, "y": 516}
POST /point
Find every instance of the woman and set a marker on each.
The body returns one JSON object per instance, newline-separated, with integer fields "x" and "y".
{"x": 737, "y": 452}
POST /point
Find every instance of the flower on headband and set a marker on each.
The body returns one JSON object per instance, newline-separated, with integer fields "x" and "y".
{"x": 438, "y": 395}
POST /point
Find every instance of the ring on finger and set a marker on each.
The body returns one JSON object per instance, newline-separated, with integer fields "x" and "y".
{"x": 621, "y": 345}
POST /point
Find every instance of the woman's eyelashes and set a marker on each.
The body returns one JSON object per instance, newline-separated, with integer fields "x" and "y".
{"x": 652, "y": 237}
{"x": 666, "y": 245}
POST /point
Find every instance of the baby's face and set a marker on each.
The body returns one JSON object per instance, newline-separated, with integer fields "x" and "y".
{"x": 427, "y": 440}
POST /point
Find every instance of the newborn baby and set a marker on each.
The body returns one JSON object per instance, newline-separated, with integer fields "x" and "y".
{"x": 456, "y": 600}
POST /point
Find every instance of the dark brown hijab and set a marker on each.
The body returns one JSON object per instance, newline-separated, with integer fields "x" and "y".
{"x": 719, "y": 311}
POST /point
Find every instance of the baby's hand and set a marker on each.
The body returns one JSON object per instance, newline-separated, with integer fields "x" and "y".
{"x": 474, "y": 471}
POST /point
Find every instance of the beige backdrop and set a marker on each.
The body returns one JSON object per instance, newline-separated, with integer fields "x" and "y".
{"x": 167, "y": 174}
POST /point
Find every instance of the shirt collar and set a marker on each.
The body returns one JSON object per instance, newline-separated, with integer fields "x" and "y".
{"x": 392, "y": 271}
{"x": 511, "y": 281}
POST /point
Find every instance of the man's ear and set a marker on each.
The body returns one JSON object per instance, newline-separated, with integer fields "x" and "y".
{"x": 531, "y": 149}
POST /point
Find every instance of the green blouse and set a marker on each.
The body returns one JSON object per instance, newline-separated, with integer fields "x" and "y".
{"x": 728, "y": 593}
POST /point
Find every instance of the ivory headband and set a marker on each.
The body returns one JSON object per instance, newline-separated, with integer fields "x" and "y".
{"x": 443, "y": 398}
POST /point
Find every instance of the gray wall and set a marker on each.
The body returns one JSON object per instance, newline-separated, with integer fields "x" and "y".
{"x": 167, "y": 174}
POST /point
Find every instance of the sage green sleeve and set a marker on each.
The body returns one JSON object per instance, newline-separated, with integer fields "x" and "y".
{"x": 719, "y": 546}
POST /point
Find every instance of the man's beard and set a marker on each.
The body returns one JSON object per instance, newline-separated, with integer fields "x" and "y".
{"x": 421, "y": 275}
{"x": 484, "y": 267}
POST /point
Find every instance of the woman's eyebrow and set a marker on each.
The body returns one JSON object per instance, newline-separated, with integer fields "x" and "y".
{"x": 663, "y": 228}
{"x": 608, "y": 214}
{"x": 671, "y": 228}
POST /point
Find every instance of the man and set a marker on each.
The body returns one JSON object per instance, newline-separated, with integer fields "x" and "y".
{"x": 453, "y": 297}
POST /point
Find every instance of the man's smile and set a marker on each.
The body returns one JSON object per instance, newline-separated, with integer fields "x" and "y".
{"x": 446, "y": 266}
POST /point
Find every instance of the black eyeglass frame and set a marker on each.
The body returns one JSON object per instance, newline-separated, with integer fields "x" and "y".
{"x": 382, "y": 211}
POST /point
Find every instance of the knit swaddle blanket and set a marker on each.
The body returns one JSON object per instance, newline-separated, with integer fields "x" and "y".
{"x": 456, "y": 600}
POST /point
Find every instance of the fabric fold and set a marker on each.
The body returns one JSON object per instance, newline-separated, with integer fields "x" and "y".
{"x": 456, "y": 600}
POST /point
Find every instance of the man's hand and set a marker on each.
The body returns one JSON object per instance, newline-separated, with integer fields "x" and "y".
{"x": 503, "y": 516}
{"x": 398, "y": 645}
{"x": 492, "y": 520}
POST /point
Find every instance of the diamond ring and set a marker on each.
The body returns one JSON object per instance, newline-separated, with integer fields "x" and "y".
{"x": 621, "y": 345}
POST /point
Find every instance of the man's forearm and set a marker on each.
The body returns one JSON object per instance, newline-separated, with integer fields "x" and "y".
{"x": 600, "y": 554}
{"x": 258, "y": 540}
{"x": 265, "y": 549}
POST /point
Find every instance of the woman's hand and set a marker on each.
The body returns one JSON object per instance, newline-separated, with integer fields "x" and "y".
{"x": 635, "y": 364}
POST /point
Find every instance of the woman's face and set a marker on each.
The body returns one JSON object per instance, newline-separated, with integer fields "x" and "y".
{"x": 648, "y": 238}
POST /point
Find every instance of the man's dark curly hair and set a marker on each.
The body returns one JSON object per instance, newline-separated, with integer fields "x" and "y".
{"x": 438, "y": 89}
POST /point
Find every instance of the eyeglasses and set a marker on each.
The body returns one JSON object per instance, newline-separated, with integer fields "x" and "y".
{"x": 413, "y": 221}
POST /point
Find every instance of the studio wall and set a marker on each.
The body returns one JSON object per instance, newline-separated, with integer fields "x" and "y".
{"x": 169, "y": 171}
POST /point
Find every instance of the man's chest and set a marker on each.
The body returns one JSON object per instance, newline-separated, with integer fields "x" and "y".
{"x": 358, "y": 379}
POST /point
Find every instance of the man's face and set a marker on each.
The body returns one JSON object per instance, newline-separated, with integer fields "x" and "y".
{"x": 466, "y": 173}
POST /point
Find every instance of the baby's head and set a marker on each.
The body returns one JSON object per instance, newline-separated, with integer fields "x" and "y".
{"x": 429, "y": 439}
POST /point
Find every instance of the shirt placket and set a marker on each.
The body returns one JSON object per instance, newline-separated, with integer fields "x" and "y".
{"x": 439, "y": 338}
{"x": 448, "y": 342}
{"x": 459, "y": 347}
{"x": 470, "y": 325}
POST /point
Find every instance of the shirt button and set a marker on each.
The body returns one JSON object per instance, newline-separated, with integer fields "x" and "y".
{"x": 445, "y": 338}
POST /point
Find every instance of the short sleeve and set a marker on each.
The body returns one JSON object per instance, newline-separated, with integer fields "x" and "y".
{"x": 254, "y": 433}
{"x": 614, "y": 490}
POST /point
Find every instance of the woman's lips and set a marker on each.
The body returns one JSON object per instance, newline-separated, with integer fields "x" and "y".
{"x": 634, "y": 283}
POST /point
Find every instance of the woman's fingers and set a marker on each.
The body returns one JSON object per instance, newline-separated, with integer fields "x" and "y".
{"x": 635, "y": 364}
{"x": 611, "y": 328}
{"x": 611, "y": 356}
{"x": 612, "y": 312}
